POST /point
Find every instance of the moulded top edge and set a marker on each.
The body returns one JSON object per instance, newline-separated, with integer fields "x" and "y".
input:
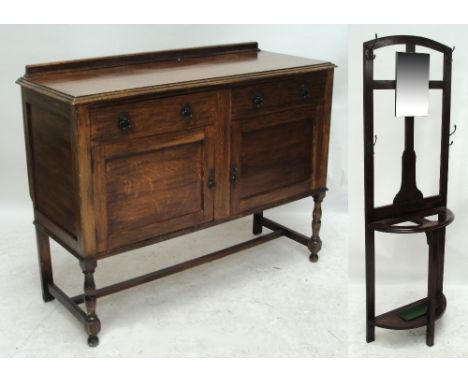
{"x": 96, "y": 84}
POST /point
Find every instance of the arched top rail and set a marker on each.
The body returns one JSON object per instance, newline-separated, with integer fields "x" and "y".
{"x": 383, "y": 42}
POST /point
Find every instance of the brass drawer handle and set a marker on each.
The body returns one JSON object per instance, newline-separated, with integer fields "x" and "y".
{"x": 258, "y": 100}
{"x": 304, "y": 92}
{"x": 124, "y": 123}
{"x": 186, "y": 111}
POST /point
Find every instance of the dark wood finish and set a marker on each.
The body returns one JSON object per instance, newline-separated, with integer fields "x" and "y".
{"x": 410, "y": 209}
{"x": 288, "y": 232}
{"x": 70, "y": 305}
{"x": 444, "y": 141}
{"x": 390, "y": 84}
{"x": 153, "y": 186}
{"x": 131, "y": 150}
{"x": 51, "y": 161}
{"x": 222, "y": 142}
{"x": 153, "y": 117}
{"x": 419, "y": 220}
{"x": 60, "y": 236}
{"x": 315, "y": 243}
{"x": 370, "y": 283}
{"x": 260, "y": 99}
{"x": 433, "y": 238}
{"x": 408, "y": 39}
{"x": 441, "y": 260}
{"x": 180, "y": 267}
{"x": 86, "y": 81}
{"x": 389, "y": 211}
{"x": 45, "y": 264}
{"x": 271, "y": 157}
{"x": 278, "y": 231}
{"x": 184, "y": 231}
{"x": 321, "y": 136}
{"x": 140, "y": 58}
{"x": 392, "y": 320}
{"x": 368, "y": 102}
{"x": 257, "y": 223}
{"x": 93, "y": 325}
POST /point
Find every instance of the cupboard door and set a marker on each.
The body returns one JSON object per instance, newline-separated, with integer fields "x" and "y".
{"x": 153, "y": 186}
{"x": 271, "y": 159}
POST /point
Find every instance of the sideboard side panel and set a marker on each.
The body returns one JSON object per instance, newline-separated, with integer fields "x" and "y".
{"x": 47, "y": 125}
{"x": 322, "y": 135}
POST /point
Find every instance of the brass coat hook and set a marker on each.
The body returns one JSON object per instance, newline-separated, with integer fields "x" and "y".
{"x": 370, "y": 145}
{"x": 375, "y": 41}
{"x": 370, "y": 51}
{"x": 451, "y": 133}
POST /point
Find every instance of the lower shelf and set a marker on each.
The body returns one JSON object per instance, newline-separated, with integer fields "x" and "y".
{"x": 392, "y": 319}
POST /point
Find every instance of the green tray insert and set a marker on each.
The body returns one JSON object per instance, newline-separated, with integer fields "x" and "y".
{"x": 414, "y": 312}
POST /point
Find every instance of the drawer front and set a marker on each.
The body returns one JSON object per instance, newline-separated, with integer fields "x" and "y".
{"x": 302, "y": 91}
{"x": 152, "y": 117}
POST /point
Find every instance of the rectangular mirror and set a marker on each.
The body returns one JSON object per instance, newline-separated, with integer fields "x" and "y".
{"x": 412, "y": 84}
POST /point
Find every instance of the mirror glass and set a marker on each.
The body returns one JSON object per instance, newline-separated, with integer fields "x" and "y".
{"x": 412, "y": 84}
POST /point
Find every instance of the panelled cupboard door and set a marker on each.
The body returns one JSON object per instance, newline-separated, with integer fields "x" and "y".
{"x": 271, "y": 159}
{"x": 152, "y": 186}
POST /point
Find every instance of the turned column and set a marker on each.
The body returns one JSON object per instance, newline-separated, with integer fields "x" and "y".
{"x": 93, "y": 325}
{"x": 315, "y": 244}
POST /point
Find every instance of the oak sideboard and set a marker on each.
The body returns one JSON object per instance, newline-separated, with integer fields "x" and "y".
{"x": 126, "y": 151}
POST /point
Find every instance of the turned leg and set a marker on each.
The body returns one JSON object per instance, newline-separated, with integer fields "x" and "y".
{"x": 370, "y": 284}
{"x": 45, "y": 264}
{"x": 433, "y": 241}
{"x": 315, "y": 244}
{"x": 93, "y": 325}
{"x": 257, "y": 223}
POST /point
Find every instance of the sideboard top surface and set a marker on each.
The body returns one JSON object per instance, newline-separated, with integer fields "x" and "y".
{"x": 113, "y": 77}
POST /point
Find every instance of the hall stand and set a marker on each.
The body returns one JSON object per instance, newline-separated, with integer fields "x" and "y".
{"x": 410, "y": 210}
